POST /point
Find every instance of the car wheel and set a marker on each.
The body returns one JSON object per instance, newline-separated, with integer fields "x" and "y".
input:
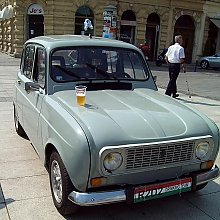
{"x": 20, "y": 131}
{"x": 60, "y": 185}
{"x": 204, "y": 64}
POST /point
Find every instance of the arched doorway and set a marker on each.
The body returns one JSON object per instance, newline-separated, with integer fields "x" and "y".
{"x": 82, "y": 13}
{"x": 211, "y": 42}
{"x": 128, "y": 24}
{"x": 186, "y": 27}
{"x": 152, "y": 35}
{"x": 35, "y": 20}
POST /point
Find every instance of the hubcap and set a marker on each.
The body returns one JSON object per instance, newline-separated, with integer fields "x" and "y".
{"x": 204, "y": 64}
{"x": 56, "y": 181}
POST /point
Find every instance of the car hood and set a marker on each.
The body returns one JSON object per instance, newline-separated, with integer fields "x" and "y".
{"x": 112, "y": 117}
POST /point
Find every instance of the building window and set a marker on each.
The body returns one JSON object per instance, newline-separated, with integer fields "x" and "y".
{"x": 81, "y": 14}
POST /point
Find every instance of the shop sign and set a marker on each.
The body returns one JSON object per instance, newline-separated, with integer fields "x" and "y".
{"x": 35, "y": 9}
{"x": 128, "y": 23}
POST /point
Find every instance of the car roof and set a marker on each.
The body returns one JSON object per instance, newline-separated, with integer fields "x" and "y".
{"x": 54, "y": 41}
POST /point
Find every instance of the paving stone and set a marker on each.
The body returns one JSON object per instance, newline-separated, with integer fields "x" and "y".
{"x": 23, "y": 168}
{"x": 209, "y": 203}
{"x": 6, "y": 106}
{"x": 34, "y": 209}
{"x": 14, "y": 141}
{"x": 18, "y": 154}
{"x": 6, "y": 116}
{"x": 26, "y": 187}
{"x": 3, "y": 212}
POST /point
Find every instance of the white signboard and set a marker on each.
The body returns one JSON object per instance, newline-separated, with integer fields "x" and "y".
{"x": 35, "y": 9}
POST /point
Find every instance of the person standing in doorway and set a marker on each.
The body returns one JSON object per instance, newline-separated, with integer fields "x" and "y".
{"x": 175, "y": 57}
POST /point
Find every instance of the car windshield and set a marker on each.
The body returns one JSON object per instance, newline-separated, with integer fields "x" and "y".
{"x": 97, "y": 63}
{"x": 217, "y": 54}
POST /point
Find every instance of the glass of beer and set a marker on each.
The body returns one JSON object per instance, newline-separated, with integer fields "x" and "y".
{"x": 81, "y": 95}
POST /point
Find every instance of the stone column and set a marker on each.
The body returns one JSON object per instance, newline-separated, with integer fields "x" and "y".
{"x": 19, "y": 33}
{"x": 164, "y": 27}
{"x": 199, "y": 36}
{"x": 140, "y": 30}
{"x": 170, "y": 28}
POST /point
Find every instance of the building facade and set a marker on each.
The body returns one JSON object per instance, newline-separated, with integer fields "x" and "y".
{"x": 153, "y": 22}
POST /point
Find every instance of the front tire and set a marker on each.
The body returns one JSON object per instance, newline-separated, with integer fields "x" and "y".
{"x": 60, "y": 185}
{"x": 204, "y": 64}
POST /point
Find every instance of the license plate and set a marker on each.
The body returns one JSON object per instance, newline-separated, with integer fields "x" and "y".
{"x": 156, "y": 191}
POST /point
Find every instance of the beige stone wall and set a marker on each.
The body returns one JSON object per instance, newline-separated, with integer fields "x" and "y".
{"x": 7, "y": 30}
{"x": 59, "y": 18}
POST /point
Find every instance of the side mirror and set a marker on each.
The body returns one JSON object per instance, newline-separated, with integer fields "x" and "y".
{"x": 31, "y": 86}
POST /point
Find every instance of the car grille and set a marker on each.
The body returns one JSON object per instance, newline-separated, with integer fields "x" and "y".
{"x": 156, "y": 155}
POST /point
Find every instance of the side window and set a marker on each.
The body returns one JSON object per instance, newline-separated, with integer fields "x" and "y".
{"x": 40, "y": 67}
{"x": 28, "y": 61}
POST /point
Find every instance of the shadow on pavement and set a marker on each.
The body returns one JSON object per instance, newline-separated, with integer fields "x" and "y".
{"x": 3, "y": 200}
{"x": 196, "y": 102}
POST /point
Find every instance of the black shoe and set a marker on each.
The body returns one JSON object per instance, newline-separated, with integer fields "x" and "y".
{"x": 175, "y": 95}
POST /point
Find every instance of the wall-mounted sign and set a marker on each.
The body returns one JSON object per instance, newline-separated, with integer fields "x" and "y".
{"x": 35, "y": 9}
{"x": 110, "y": 22}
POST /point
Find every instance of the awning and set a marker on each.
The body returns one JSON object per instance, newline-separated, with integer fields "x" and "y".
{"x": 6, "y": 13}
{"x": 216, "y": 21}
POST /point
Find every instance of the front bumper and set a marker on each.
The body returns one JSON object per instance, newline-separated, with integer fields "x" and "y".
{"x": 99, "y": 198}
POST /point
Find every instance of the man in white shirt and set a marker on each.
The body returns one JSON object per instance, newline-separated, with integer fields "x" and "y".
{"x": 175, "y": 57}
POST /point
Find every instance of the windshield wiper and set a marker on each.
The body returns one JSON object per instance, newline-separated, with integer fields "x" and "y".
{"x": 100, "y": 71}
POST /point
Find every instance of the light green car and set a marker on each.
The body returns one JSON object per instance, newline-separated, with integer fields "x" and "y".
{"x": 121, "y": 140}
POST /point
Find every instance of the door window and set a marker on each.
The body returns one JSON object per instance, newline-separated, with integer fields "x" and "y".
{"x": 28, "y": 61}
{"x": 40, "y": 67}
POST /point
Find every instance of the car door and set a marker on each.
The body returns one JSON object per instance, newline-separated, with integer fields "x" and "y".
{"x": 216, "y": 60}
{"x": 33, "y": 71}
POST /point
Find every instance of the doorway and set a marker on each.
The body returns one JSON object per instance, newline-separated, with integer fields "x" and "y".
{"x": 152, "y": 35}
{"x": 36, "y": 25}
{"x": 128, "y": 25}
{"x": 186, "y": 27}
{"x": 35, "y": 21}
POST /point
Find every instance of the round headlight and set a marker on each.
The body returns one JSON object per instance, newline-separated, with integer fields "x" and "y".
{"x": 112, "y": 161}
{"x": 202, "y": 149}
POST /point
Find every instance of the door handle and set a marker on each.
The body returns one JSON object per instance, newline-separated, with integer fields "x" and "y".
{"x": 19, "y": 82}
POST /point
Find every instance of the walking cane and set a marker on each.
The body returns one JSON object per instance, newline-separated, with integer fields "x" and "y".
{"x": 187, "y": 84}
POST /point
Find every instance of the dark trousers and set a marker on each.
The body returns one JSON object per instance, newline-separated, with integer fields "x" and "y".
{"x": 174, "y": 70}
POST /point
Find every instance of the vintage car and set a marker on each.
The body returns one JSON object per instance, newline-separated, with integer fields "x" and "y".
{"x": 128, "y": 142}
